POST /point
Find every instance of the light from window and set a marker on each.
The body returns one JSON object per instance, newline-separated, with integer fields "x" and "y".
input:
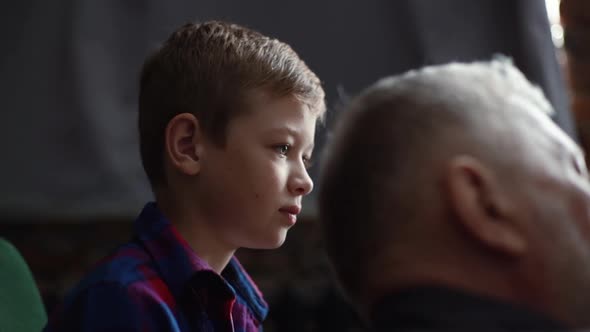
{"x": 555, "y": 22}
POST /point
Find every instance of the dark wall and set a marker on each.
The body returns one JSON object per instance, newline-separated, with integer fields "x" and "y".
{"x": 69, "y": 78}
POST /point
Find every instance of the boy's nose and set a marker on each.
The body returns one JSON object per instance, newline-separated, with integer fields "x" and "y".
{"x": 301, "y": 183}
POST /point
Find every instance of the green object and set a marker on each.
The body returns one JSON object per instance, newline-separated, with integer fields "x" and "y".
{"x": 21, "y": 308}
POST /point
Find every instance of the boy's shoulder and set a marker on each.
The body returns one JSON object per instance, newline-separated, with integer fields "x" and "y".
{"x": 128, "y": 266}
{"x": 121, "y": 292}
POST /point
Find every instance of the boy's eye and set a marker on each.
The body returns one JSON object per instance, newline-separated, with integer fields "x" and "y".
{"x": 282, "y": 149}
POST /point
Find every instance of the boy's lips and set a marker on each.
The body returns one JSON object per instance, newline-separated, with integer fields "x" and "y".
{"x": 291, "y": 212}
{"x": 291, "y": 209}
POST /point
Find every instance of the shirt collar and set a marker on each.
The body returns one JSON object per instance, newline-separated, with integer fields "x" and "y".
{"x": 178, "y": 263}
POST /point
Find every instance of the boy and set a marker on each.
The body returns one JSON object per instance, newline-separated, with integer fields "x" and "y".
{"x": 227, "y": 119}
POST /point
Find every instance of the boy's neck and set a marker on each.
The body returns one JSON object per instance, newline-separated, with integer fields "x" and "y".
{"x": 205, "y": 244}
{"x": 196, "y": 231}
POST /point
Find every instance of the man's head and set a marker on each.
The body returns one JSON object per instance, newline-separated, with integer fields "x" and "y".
{"x": 227, "y": 120}
{"x": 455, "y": 175}
{"x": 213, "y": 70}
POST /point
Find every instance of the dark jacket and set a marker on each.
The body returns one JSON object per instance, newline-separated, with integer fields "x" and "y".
{"x": 442, "y": 309}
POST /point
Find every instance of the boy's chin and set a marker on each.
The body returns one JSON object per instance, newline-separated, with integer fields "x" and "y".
{"x": 270, "y": 243}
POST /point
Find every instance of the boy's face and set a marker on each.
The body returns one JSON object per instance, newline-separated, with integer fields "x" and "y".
{"x": 251, "y": 189}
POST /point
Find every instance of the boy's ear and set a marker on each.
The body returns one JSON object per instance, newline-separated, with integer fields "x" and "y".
{"x": 184, "y": 141}
{"x": 482, "y": 206}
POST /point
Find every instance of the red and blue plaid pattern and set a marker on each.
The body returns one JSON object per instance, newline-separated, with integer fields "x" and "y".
{"x": 157, "y": 283}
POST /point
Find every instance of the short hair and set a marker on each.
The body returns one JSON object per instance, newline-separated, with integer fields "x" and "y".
{"x": 377, "y": 166}
{"x": 209, "y": 69}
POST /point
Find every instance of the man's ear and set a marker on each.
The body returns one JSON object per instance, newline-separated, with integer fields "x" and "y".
{"x": 184, "y": 141}
{"x": 482, "y": 206}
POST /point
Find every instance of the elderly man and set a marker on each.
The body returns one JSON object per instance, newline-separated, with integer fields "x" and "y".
{"x": 450, "y": 201}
